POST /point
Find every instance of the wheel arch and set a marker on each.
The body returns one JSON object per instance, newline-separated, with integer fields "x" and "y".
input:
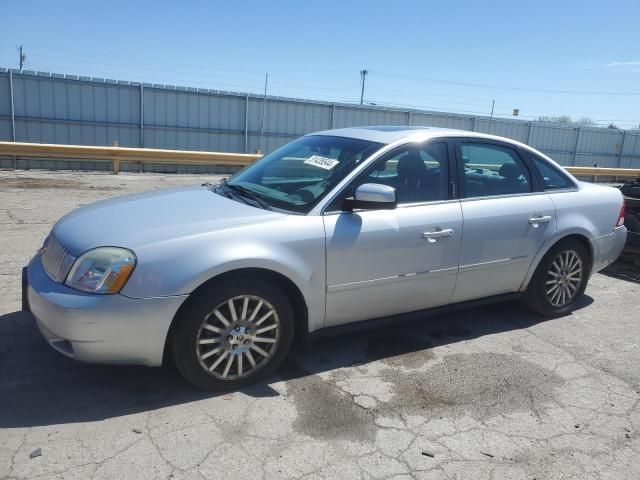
{"x": 586, "y": 243}
{"x": 576, "y": 236}
{"x": 289, "y": 288}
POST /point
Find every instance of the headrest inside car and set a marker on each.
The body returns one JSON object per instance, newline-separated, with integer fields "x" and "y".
{"x": 410, "y": 165}
{"x": 510, "y": 170}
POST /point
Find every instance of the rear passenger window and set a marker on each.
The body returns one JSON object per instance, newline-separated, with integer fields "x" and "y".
{"x": 552, "y": 179}
{"x": 493, "y": 170}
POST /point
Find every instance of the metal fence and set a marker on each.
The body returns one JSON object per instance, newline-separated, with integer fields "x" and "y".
{"x": 66, "y": 109}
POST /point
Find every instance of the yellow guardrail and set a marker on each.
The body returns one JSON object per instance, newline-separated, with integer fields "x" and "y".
{"x": 116, "y": 154}
{"x": 581, "y": 171}
{"x": 603, "y": 171}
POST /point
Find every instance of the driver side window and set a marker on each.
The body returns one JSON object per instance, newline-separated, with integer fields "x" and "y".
{"x": 418, "y": 172}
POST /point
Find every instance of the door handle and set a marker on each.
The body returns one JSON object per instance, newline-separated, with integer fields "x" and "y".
{"x": 432, "y": 237}
{"x": 535, "y": 221}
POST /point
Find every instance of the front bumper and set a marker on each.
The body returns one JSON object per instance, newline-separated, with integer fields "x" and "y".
{"x": 607, "y": 249}
{"x": 98, "y": 328}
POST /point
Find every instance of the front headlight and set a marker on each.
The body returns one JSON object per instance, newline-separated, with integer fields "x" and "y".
{"x": 102, "y": 270}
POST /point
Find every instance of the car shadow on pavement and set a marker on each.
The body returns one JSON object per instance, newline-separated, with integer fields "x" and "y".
{"x": 39, "y": 386}
{"x": 625, "y": 268}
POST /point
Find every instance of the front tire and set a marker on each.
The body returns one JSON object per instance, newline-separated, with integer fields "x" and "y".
{"x": 232, "y": 334}
{"x": 560, "y": 279}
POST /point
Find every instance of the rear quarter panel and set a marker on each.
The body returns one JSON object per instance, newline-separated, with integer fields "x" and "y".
{"x": 594, "y": 208}
{"x": 590, "y": 211}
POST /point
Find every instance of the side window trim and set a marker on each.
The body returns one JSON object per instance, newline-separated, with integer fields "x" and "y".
{"x": 451, "y": 176}
{"x": 452, "y": 182}
{"x": 536, "y": 184}
{"x": 535, "y": 174}
{"x": 539, "y": 177}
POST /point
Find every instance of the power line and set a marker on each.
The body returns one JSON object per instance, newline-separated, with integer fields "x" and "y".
{"x": 432, "y": 109}
{"x": 238, "y": 83}
{"x": 141, "y": 63}
{"x": 89, "y": 56}
{"x": 283, "y": 88}
{"x": 427, "y": 103}
{"x": 383, "y": 103}
{"x": 474, "y": 104}
{"x": 287, "y": 84}
{"x": 316, "y": 86}
{"x": 504, "y": 87}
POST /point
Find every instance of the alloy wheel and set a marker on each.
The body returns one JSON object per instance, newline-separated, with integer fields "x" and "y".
{"x": 564, "y": 278}
{"x": 238, "y": 337}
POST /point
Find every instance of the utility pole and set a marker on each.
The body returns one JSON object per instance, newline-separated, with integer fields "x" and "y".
{"x": 363, "y": 76}
{"x": 23, "y": 57}
{"x": 493, "y": 104}
{"x": 264, "y": 111}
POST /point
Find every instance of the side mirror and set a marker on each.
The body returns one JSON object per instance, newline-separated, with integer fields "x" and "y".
{"x": 372, "y": 196}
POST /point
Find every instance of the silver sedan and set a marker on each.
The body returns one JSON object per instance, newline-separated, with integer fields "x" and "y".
{"x": 325, "y": 233}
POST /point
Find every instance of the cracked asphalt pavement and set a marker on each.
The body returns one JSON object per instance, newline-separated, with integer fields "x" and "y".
{"x": 490, "y": 393}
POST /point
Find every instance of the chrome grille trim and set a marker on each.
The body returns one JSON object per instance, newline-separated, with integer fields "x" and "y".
{"x": 56, "y": 259}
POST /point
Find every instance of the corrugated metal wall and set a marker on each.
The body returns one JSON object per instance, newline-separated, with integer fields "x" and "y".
{"x": 53, "y": 108}
{"x": 5, "y": 108}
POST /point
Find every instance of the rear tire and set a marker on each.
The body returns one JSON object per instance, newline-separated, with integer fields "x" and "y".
{"x": 232, "y": 334}
{"x": 560, "y": 279}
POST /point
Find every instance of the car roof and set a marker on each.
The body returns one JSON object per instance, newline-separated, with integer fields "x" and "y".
{"x": 392, "y": 133}
{"x": 387, "y": 134}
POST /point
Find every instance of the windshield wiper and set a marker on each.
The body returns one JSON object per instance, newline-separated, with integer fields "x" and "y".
{"x": 244, "y": 192}
{"x": 219, "y": 188}
{"x": 248, "y": 193}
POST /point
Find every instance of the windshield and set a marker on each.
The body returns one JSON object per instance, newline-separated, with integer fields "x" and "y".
{"x": 296, "y": 176}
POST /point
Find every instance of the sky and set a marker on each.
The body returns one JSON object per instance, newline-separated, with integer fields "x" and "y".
{"x": 545, "y": 58}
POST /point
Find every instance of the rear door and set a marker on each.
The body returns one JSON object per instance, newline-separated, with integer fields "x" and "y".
{"x": 507, "y": 217}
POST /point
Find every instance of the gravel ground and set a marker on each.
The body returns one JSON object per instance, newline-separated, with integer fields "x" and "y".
{"x": 489, "y": 393}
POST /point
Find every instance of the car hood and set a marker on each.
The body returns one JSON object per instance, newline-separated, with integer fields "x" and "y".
{"x": 139, "y": 219}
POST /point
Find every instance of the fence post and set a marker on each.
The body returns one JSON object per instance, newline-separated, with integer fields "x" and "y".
{"x": 13, "y": 118}
{"x": 140, "y": 167}
{"x": 141, "y": 116}
{"x": 475, "y": 124}
{"x": 12, "y": 106}
{"x": 333, "y": 115}
{"x": 575, "y": 147}
{"x": 246, "y": 123}
{"x": 624, "y": 137}
{"x": 633, "y": 150}
{"x": 116, "y": 160}
{"x": 408, "y": 118}
{"x": 529, "y": 133}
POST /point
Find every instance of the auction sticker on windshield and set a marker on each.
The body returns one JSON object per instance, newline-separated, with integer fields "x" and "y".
{"x": 322, "y": 162}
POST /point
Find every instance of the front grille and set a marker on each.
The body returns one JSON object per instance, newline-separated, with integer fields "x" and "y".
{"x": 56, "y": 259}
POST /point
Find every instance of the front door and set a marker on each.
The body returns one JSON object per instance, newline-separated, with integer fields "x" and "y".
{"x": 386, "y": 262}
